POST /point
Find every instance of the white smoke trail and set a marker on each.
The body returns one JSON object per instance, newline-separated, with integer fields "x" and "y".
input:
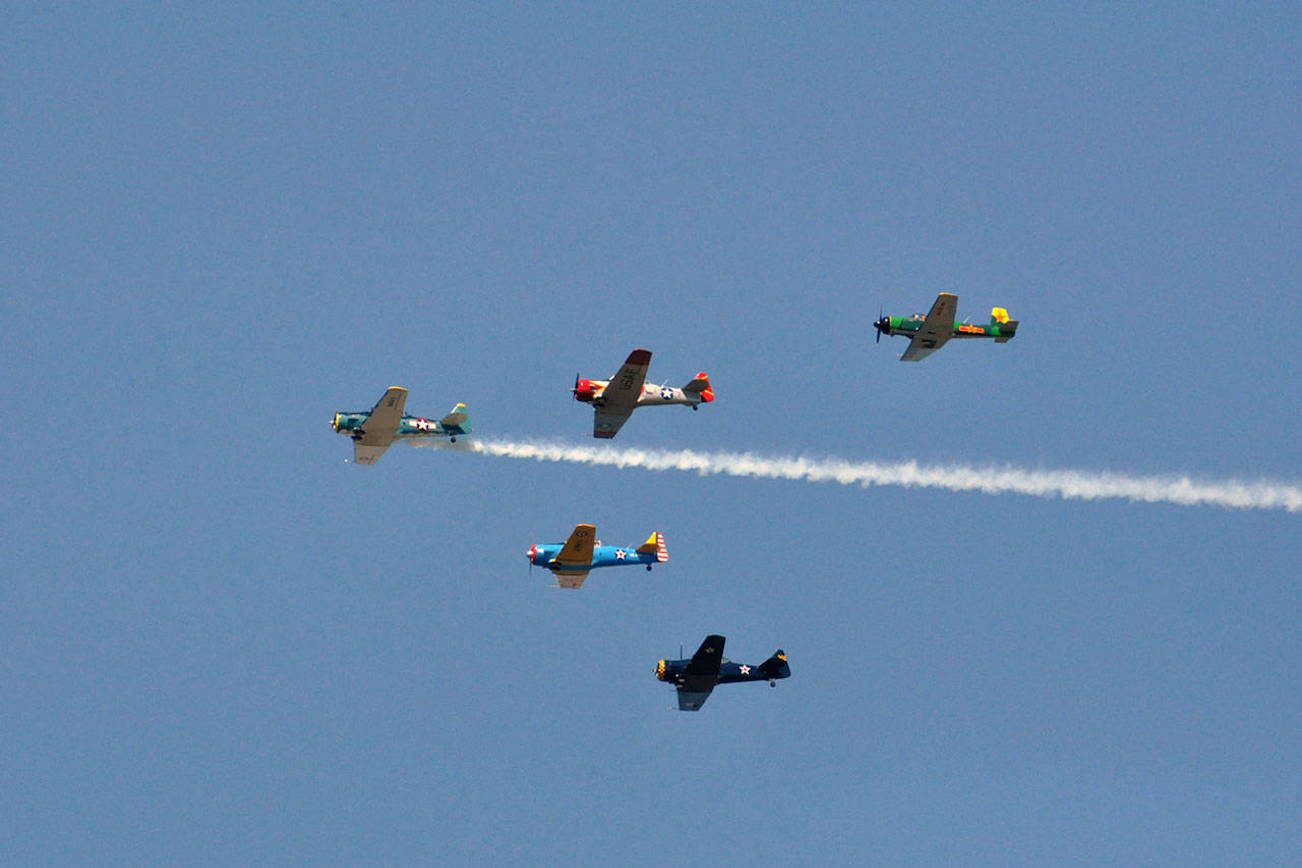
{"x": 1068, "y": 484}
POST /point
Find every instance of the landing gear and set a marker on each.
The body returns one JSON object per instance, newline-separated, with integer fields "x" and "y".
{"x": 453, "y": 439}
{"x": 772, "y": 683}
{"x": 648, "y": 568}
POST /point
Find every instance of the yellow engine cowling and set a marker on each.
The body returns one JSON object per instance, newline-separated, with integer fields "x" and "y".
{"x": 660, "y": 670}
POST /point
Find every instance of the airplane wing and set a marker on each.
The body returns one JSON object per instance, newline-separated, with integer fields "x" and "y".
{"x": 701, "y": 674}
{"x": 577, "y": 551}
{"x": 363, "y": 454}
{"x": 936, "y": 329}
{"x": 380, "y": 427}
{"x": 606, "y": 423}
{"x": 573, "y": 581}
{"x": 619, "y": 398}
{"x": 691, "y": 701}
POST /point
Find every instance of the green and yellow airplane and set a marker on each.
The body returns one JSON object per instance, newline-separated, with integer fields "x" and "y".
{"x": 929, "y": 333}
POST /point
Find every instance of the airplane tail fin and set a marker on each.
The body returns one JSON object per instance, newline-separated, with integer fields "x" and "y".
{"x": 1007, "y": 327}
{"x": 458, "y": 419}
{"x": 700, "y": 385}
{"x": 655, "y": 545}
{"x": 776, "y": 666}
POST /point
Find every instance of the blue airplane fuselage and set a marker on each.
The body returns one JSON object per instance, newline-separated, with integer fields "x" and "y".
{"x": 602, "y": 556}
{"x": 772, "y": 669}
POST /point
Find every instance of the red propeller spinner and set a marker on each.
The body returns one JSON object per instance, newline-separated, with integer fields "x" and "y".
{"x": 583, "y": 390}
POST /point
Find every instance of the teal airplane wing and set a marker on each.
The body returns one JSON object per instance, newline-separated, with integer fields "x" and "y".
{"x": 936, "y": 329}
{"x": 363, "y": 454}
{"x": 380, "y": 426}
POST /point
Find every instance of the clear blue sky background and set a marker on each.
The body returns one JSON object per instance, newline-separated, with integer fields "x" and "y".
{"x": 221, "y": 225}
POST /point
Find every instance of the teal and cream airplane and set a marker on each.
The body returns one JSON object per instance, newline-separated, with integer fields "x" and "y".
{"x": 374, "y": 431}
{"x": 572, "y": 560}
{"x": 929, "y": 333}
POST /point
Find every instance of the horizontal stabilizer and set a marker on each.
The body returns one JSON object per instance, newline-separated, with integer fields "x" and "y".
{"x": 1007, "y": 331}
{"x": 998, "y": 314}
{"x": 700, "y": 385}
{"x": 457, "y": 418}
{"x": 655, "y": 545}
{"x": 776, "y": 666}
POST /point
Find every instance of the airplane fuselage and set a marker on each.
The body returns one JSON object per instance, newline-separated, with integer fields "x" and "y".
{"x": 591, "y": 392}
{"x": 602, "y": 556}
{"x": 671, "y": 671}
{"x": 409, "y": 427}
{"x": 910, "y": 325}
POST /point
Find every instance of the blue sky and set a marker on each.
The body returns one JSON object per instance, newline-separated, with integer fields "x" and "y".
{"x": 222, "y": 642}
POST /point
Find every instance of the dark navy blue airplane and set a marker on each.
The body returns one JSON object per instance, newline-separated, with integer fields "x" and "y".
{"x": 695, "y": 678}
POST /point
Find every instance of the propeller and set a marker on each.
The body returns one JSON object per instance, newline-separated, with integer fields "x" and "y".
{"x": 575, "y": 390}
{"x": 878, "y": 324}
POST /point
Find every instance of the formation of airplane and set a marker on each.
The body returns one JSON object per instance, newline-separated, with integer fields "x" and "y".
{"x": 929, "y": 333}
{"x": 375, "y": 430}
{"x": 696, "y": 678}
{"x": 572, "y": 560}
{"x": 614, "y": 400}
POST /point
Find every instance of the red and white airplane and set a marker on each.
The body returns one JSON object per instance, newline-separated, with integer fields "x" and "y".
{"x": 616, "y": 399}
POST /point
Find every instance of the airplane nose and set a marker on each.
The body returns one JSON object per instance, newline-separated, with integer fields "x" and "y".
{"x": 882, "y": 325}
{"x": 531, "y": 553}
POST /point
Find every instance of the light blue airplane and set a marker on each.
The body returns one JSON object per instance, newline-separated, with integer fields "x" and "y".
{"x": 582, "y": 552}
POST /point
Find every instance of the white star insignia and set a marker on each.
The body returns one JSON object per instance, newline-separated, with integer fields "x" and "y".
{"x": 619, "y": 554}
{"x": 745, "y": 670}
